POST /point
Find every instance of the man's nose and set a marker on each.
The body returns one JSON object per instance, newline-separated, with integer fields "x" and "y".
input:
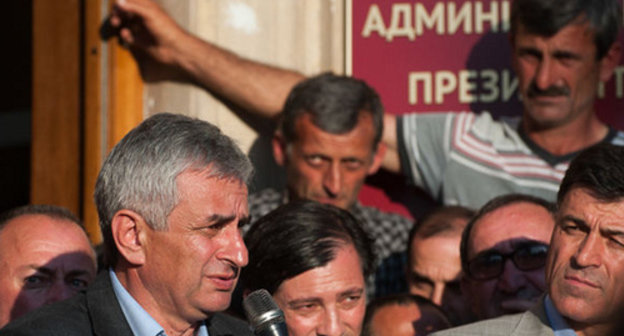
{"x": 332, "y": 180}
{"x": 438, "y": 293}
{"x": 58, "y": 291}
{"x": 589, "y": 251}
{"x": 545, "y": 75}
{"x": 234, "y": 249}
{"x": 511, "y": 279}
{"x": 330, "y": 323}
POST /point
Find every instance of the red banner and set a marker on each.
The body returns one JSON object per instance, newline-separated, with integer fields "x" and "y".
{"x": 440, "y": 56}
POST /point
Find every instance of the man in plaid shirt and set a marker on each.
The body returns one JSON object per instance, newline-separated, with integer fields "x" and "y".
{"x": 328, "y": 141}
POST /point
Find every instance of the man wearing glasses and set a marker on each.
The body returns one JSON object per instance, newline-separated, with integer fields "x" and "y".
{"x": 503, "y": 252}
{"x": 585, "y": 264}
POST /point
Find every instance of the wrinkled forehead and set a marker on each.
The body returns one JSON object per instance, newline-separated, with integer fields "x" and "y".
{"x": 582, "y": 204}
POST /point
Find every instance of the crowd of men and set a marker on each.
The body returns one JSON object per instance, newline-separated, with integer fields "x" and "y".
{"x": 524, "y": 254}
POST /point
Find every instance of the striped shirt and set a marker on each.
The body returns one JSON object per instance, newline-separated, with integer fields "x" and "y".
{"x": 467, "y": 159}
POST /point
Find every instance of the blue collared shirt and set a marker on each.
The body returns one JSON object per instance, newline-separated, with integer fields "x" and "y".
{"x": 557, "y": 323}
{"x": 141, "y": 323}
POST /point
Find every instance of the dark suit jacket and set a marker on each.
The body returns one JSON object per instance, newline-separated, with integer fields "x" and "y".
{"x": 97, "y": 312}
{"x": 530, "y": 323}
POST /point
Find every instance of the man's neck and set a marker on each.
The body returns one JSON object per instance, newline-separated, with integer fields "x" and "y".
{"x": 161, "y": 312}
{"x": 564, "y": 139}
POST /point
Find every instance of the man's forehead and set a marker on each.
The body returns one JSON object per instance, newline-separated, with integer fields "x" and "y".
{"x": 38, "y": 226}
{"x": 511, "y": 244}
{"x": 63, "y": 264}
{"x": 444, "y": 265}
{"x": 446, "y": 245}
{"x": 573, "y": 30}
{"x": 581, "y": 204}
{"x": 342, "y": 275}
{"x": 510, "y": 223}
{"x": 309, "y": 131}
{"x": 36, "y": 238}
{"x": 399, "y": 312}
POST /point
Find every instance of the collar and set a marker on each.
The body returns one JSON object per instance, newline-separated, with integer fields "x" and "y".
{"x": 554, "y": 160}
{"x": 556, "y": 321}
{"x": 140, "y": 321}
{"x": 356, "y": 207}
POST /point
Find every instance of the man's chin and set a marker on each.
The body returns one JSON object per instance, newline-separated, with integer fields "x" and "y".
{"x": 337, "y": 202}
{"x": 546, "y": 116}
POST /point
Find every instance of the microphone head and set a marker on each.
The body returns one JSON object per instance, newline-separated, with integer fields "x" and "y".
{"x": 261, "y": 309}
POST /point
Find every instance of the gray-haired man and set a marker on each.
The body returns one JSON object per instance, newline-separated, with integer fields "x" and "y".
{"x": 170, "y": 196}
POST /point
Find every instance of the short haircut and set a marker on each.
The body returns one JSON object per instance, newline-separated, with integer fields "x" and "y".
{"x": 140, "y": 172}
{"x": 52, "y": 211}
{"x": 598, "y": 169}
{"x": 334, "y": 104}
{"x": 547, "y": 17}
{"x": 403, "y": 299}
{"x": 439, "y": 222}
{"x": 491, "y": 206}
{"x": 297, "y": 237}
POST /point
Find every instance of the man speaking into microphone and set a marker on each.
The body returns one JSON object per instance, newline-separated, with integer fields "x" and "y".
{"x": 313, "y": 259}
{"x": 170, "y": 198}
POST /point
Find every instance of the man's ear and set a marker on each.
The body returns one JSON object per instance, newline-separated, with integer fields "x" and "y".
{"x": 378, "y": 157}
{"x": 128, "y": 228}
{"x": 610, "y": 61}
{"x": 279, "y": 148}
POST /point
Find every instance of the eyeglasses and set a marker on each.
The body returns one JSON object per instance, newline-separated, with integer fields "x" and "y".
{"x": 490, "y": 265}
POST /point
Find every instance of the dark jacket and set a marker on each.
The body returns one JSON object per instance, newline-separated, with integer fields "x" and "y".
{"x": 97, "y": 312}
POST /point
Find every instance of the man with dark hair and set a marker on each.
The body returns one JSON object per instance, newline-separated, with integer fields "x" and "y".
{"x": 436, "y": 276}
{"x": 313, "y": 258}
{"x": 585, "y": 263}
{"x": 328, "y": 141}
{"x": 170, "y": 197}
{"x": 503, "y": 251}
{"x": 561, "y": 49}
{"x": 45, "y": 256}
{"x": 403, "y": 315}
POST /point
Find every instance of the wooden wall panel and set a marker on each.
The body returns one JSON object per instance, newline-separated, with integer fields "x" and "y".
{"x": 55, "y": 168}
{"x": 125, "y": 96}
{"x": 93, "y": 149}
{"x": 87, "y": 94}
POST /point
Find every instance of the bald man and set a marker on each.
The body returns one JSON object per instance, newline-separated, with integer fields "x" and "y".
{"x": 45, "y": 256}
{"x": 403, "y": 315}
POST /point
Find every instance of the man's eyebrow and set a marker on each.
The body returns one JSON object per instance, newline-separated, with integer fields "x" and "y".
{"x": 222, "y": 220}
{"x": 575, "y": 220}
{"x": 517, "y": 243}
{"x": 77, "y": 272}
{"x": 41, "y": 269}
{"x": 612, "y": 232}
{"x": 529, "y": 50}
{"x": 352, "y": 291}
{"x": 217, "y": 219}
{"x": 297, "y": 302}
{"x": 418, "y": 276}
{"x": 351, "y": 158}
{"x": 566, "y": 54}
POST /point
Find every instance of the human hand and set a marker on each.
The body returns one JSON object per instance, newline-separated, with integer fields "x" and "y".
{"x": 152, "y": 37}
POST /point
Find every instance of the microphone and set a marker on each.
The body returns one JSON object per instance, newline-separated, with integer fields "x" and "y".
{"x": 264, "y": 315}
